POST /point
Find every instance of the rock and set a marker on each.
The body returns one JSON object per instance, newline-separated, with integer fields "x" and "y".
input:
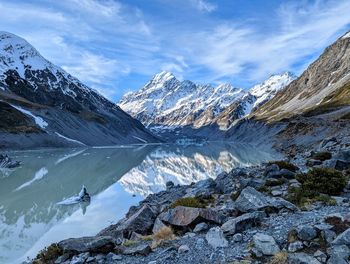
{"x": 276, "y": 192}
{"x": 113, "y": 257}
{"x": 202, "y": 188}
{"x": 201, "y": 227}
{"x": 169, "y": 184}
{"x": 215, "y": 237}
{"x": 320, "y": 256}
{"x": 152, "y": 262}
{"x": 158, "y": 224}
{"x": 327, "y": 142}
{"x": 302, "y": 258}
{"x": 265, "y": 244}
{"x": 88, "y": 244}
{"x": 343, "y": 238}
{"x": 287, "y": 174}
{"x": 271, "y": 168}
{"x": 139, "y": 249}
{"x": 182, "y": 216}
{"x": 306, "y": 232}
{"x": 62, "y": 258}
{"x": 295, "y": 246}
{"x": 328, "y": 235}
{"x": 339, "y": 252}
{"x": 337, "y": 164}
{"x": 183, "y": 249}
{"x": 7, "y": 162}
{"x": 90, "y": 260}
{"x": 312, "y": 162}
{"x": 336, "y": 260}
{"x": 200, "y": 242}
{"x": 140, "y": 222}
{"x": 80, "y": 259}
{"x": 243, "y": 222}
{"x": 237, "y": 237}
{"x": 251, "y": 200}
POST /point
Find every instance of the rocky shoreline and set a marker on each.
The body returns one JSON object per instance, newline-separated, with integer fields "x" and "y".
{"x": 292, "y": 211}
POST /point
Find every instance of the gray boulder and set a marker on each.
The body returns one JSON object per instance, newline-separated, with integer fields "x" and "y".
{"x": 88, "y": 244}
{"x": 182, "y": 216}
{"x": 295, "y": 246}
{"x": 306, "y": 232}
{"x": 338, "y": 253}
{"x": 215, "y": 237}
{"x": 201, "y": 227}
{"x": 243, "y": 222}
{"x": 302, "y": 258}
{"x": 265, "y": 244}
{"x": 140, "y": 222}
{"x": 138, "y": 249}
{"x": 251, "y": 200}
{"x": 343, "y": 238}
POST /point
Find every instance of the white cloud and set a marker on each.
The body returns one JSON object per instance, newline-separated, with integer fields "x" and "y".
{"x": 204, "y": 6}
{"x": 101, "y": 42}
{"x": 232, "y": 49}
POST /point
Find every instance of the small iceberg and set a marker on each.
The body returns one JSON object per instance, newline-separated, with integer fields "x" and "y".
{"x": 82, "y": 197}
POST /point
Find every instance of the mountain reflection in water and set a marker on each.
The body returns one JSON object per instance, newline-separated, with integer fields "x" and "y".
{"x": 31, "y": 219}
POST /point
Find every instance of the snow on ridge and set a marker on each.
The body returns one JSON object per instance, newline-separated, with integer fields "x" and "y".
{"x": 168, "y": 101}
{"x": 69, "y": 139}
{"x": 347, "y": 35}
{"x": 38, "y": 120}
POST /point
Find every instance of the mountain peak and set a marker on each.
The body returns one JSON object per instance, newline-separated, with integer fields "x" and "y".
{"x": 163, "y": 77}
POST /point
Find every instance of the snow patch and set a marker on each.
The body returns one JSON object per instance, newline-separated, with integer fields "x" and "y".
{"x": 38, "y": 120}
{"x": 142, "y": 140}
{"x": 69, "y": 139}
{"x": 347, "y": 35}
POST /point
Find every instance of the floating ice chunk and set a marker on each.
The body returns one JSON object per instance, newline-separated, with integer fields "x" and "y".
{"x": 83, "y": 196}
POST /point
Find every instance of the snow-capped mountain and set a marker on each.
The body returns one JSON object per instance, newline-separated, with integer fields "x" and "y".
{"x": 52, "y": 107}
{"x": 166, "y": 101}
{"x": 256, "y": 97}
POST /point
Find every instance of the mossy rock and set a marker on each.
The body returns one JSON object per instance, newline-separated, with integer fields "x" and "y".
{"x": 191, "y": 202}
{"x": 322, "y": 156}
{"x": 285, "y": 165}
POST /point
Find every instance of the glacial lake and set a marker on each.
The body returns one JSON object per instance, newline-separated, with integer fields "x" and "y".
{"x": 115, "y": 177}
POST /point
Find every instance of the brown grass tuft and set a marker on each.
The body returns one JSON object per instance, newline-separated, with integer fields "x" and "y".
{"x": 164, "y": 234}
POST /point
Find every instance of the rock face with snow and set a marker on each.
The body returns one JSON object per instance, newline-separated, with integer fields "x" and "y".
{"x": 166, "y": 101}
{"x": 52, "y": 107}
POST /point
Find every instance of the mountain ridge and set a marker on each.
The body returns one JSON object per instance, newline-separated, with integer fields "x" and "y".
{"x": 32, "y": 88}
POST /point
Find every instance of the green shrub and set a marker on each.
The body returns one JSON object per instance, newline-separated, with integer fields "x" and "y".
{"x": 285, "y": 165}
{"x": 322, "y": 156}
{"x": 275, "y": 182}
{"x": 191, "y": 202}
{"x": 322, "y": 180}
{"x": 48, "y": 255}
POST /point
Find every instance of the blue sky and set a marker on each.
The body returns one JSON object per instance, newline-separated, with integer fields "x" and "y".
{"x": 116, "y": 46}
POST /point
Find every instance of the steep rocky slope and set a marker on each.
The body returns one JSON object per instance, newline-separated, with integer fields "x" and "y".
{"x": 42, "y": 105}
{"x": 324, "y": 86}
{"x": 166, "y": 101}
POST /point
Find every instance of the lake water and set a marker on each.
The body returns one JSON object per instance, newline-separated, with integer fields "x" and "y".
{"x": 115, "y": 177}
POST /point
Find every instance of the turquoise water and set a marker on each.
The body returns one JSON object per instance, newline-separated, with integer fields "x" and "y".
{"x": 115, "y": 177}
